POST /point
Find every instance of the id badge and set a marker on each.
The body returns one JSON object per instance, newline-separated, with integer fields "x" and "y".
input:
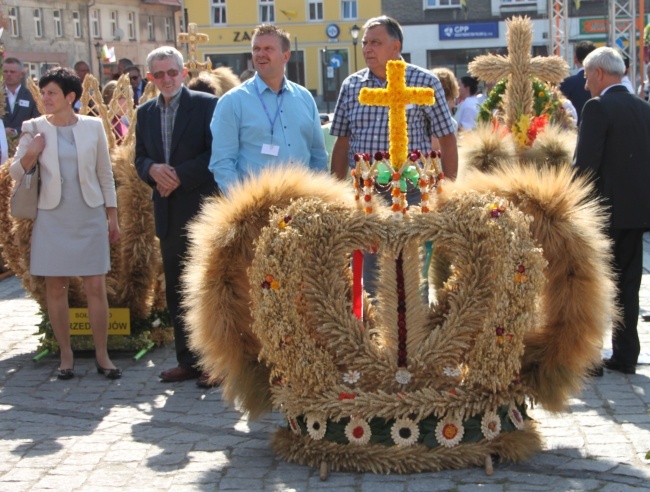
{"x": 23, "y": 103}
{"x": 270, "y": 149}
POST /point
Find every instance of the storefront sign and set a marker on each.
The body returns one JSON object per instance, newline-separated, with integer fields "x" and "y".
{"x": 474, "y": 30}
{"x": 593, "y": 26}
{"x": 119, "y": 321}
{"x": 241, "y": 36}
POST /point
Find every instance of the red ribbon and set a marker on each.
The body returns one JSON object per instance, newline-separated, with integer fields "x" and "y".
{"x": 357, "y": 283}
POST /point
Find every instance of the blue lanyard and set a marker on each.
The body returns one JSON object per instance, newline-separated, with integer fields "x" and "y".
{"x": 277, "y": 113}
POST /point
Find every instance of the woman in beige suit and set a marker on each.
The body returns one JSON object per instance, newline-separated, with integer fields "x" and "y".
{"x": 77, "y": 211}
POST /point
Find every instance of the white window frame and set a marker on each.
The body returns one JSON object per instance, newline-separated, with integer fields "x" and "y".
{"x": 14, "y": 22}
{"x": 114, "y": 23}
{"x": 76, "y": 24}
{"x": 151, "y": 28}
{"x": 266, "y": 10}
{"x": 352, "y": 7}
{"x": 168, "y": 28}
{"x": 58, "y": 23}
{"x": 218, "y": 6}
{"x": 130, "y": 24}
{"x": 445, "y": 4}
{"x": 95, "y": 24}
{"x": 38, "y": 23}
{"x": 317, "y": 10}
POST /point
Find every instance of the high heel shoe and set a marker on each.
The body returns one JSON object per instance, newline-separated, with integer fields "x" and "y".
{"x": 65, "y": 374}
{"x": 109, "y": 373}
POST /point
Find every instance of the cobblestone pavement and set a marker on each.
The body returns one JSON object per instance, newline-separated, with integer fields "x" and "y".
{"x": 140, "y": 434}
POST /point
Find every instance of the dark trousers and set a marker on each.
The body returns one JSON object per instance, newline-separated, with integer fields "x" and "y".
{"x": 174, "y": 249}
{"x": 628, "y": 263}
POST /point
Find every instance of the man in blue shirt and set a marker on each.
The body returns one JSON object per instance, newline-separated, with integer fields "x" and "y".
{"x": 267, "y": 120}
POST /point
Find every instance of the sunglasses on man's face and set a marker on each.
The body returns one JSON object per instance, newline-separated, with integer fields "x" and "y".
{"x": 172, "y": 72}
{"x": 135, "y": 77}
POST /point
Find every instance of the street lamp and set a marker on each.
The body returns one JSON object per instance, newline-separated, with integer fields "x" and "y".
{"x": 98, "y": 52}
{"x": 354, "y": 32}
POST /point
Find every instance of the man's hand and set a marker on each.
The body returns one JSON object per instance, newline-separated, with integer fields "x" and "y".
{"x": 165, "y": 178}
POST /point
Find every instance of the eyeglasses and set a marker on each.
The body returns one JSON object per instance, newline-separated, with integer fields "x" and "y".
{"x": 172, "y": 72}
{"x": 136, "y": 77}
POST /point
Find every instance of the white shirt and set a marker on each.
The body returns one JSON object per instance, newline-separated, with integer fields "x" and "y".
{"x": 11, "y": 97}
{"x": 467, "y": 112}
{"x": 628, "y": 84}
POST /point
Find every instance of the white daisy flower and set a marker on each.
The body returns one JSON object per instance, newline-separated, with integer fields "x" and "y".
{"x": 316, "y": 426}
{"x": 452, "y": 372}
{"x": 358, "y": 431}
{"x": 403, "y": 376}
{"x": 351, "y": 377}
{"x": 449, "y": 432}
{"x": 405, "y": 432}
{"x": 516, "y": 417}
{"x": 490, "y": 425}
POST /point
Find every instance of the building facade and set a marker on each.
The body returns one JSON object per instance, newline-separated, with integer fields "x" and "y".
{"x": 47, "y": 33}
{"x": 452, "y": 33}
{"x": 323, "y": 51}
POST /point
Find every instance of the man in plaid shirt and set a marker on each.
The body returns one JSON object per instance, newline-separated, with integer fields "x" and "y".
{"x": 361, "y": 128}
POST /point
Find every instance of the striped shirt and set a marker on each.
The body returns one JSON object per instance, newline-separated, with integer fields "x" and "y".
{"x": 167, "y": 117}
{"x": 367, "y": 126}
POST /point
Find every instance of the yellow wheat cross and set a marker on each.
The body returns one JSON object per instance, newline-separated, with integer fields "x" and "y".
{"x": 397, "y": 96}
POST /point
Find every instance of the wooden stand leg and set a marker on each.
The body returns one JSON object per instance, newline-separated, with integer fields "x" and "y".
{"x": 324, "y": 471}
{"x": 489, "y": 469}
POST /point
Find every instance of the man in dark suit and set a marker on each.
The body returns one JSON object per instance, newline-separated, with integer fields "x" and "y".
{"x": 20, "y": 105}
{"x": 137, "y": 83}
{"x": 614, "y": 146}
{"x": 172, "y": 153}
{"x": 573, "y": 87}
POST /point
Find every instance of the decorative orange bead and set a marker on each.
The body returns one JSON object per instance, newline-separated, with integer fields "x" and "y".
{"x": 396, "y": 176}
{"x": 439, "y": 190}
{"x": 425, "y": 209}
{"x": 395, "y": 192}
{"x": 367, "y": 182}
{"x": 275, "y": 285}
{"x": 425, "y": 196}
{"x": 368, "y": 210}
{"x": 269, "y": 278}
{"x": 367, "y": 197}
{"x": 396, "y": 207}
{"x": 356, "y": 197}
{"x": 423, "y": 183}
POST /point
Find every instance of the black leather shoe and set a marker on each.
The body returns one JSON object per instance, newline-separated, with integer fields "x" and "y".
{"x": 206, "y": 382}
{"x": 614, "y": 365}
{"x": 177, "y": 374}
{"x": 109, "y": 373}
{"x": 595, "y": 372}
{"x": 65, "y": 374}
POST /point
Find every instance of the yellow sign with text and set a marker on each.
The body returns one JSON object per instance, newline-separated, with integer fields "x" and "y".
{"x": 119, "y": 321}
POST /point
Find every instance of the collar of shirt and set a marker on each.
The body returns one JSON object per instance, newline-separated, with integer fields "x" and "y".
{"x": 613, "y": 85}
{"x": 173, "y": 104}
{"x": 14, "y": 93}
{"x": 262, "y": 86}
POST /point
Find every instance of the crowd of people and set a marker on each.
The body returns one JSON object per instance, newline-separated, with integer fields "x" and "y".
{"x": 191, "y": 145}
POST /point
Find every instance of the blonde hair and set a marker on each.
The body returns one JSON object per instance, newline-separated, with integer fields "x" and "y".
{"x": 107, "y": 92}
{"x": 448, "y": 81}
